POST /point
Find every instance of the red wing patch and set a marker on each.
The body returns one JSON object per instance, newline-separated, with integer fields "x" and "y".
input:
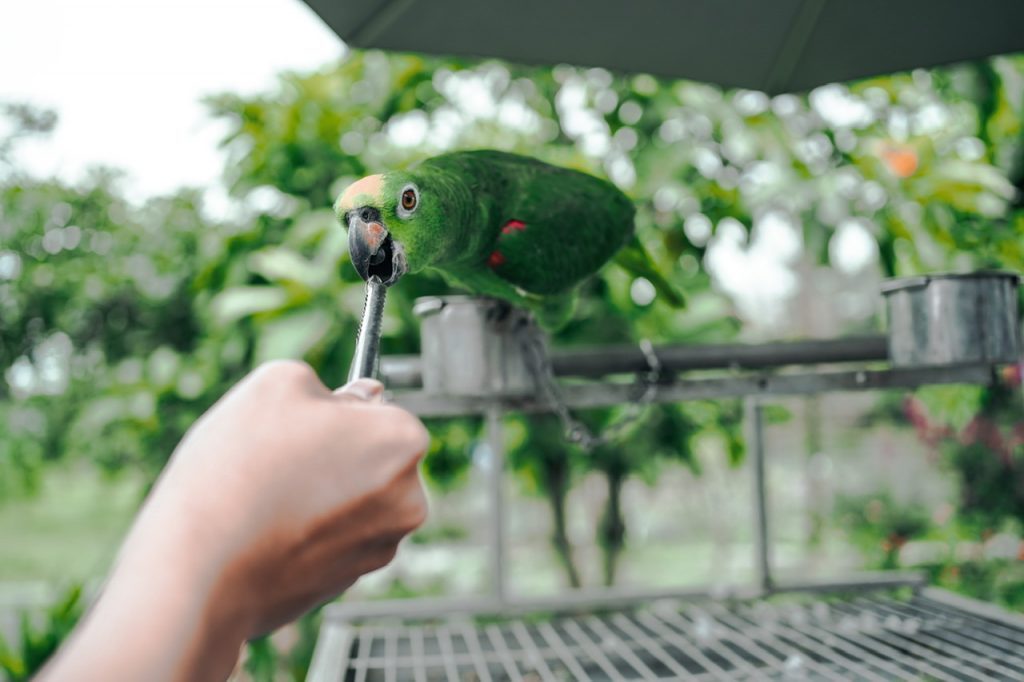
{"x": 495, "y": 259}
{"x": 513, "y": 225}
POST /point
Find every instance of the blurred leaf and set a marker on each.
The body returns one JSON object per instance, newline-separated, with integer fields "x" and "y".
{"x": 291, "y": 335}
{"x": 238, "y": 302}
{"x": 39, "y": 638}
{"x": 279, "y": 264}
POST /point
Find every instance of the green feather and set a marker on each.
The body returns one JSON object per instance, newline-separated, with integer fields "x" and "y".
{"x": 635, "y": 260}
{"x": 511, "y": 227}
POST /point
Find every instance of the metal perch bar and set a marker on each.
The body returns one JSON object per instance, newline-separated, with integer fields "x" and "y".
{"x": 582, "y": 396}
{"x": 406, "y": 371}
{"x": 615, "y": 597}
{"x": 496, "y": 481}
{"x": 754, "y": 419}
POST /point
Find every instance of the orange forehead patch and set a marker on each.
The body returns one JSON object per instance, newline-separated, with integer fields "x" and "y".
{"x": 370, "y": 186}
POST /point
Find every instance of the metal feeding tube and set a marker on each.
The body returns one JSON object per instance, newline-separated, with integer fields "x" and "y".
{"x": 366, "y": 359}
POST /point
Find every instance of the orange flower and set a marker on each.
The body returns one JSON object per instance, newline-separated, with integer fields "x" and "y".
{"x": 902, "y": 161}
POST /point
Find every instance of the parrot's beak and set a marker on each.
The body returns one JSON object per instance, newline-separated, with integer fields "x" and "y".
{"x": 372, "y": 249}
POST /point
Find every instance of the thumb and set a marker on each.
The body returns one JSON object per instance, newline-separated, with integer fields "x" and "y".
{"x": 365, "y": 390}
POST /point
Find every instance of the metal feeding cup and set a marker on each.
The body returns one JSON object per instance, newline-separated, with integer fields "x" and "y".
{"x": 475, "y": 347}
{"x": 953, "y": 319}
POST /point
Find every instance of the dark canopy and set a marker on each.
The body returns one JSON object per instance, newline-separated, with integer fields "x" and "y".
{"x": 770, "y": 45}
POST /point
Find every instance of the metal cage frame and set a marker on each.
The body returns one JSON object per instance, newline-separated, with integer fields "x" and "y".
{"x": 753, "y": 372}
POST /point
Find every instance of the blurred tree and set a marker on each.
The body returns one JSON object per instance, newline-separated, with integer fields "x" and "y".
{"x": 103, "y": 339}
{"x": 548, "y": 465}
{"x": 372, "y": 112}
{"x": 119, "y": 324}
{"x": 894, "y": 160}
{"x": 881, "y": 525}
{"x": 21, "y": 121}
{"x": 968, "y": 215}
{"x": 980, "y": 435}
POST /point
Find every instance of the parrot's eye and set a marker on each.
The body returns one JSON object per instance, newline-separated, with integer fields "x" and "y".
{"x": 408, "y": 200}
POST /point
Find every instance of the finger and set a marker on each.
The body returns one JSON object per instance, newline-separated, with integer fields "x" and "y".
{"x": 366, "y": 390}
{"x": 288, "y": 374}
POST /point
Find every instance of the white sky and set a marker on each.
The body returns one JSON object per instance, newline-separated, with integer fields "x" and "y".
{"x": 126, "y": 77}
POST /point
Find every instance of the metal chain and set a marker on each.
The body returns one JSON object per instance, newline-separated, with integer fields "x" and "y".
{"x": 576, "y": 432}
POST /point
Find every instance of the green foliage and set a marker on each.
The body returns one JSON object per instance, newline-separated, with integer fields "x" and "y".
{"x": 120, "y": 324}
{"x": 38, "y": 641}
{"x": 156, "y": 309}
{"x": 996, "y": 580}
{"x": 261, "y": 659}
{"x": 451, "y": 450}
{"x": 988, "y": 456}
{"x": 102, "y": 327}
{"x": 881, "y": 525}
{"x": 267, "y": 660}
{"x": 979, "y": 436}
{"x": 957, "y": 404}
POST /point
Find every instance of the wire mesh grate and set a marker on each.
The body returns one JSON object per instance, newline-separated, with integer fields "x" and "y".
{"x": 865, "y": 637}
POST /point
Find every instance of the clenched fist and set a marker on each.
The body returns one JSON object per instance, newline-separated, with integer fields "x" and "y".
{"x": 277, "y": 499}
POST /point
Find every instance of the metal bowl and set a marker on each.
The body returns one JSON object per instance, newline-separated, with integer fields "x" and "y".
{"x": 473, "y": 347}
{"x": 953, "y": 319}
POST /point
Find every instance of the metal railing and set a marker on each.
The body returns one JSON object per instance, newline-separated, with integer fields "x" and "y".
{"x": 716, "y": 634}
{"x": 752, "y": 371}
{"x": 871, "y": 636}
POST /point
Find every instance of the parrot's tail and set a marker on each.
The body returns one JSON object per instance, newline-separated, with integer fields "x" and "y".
{"x": 635, "y": 260}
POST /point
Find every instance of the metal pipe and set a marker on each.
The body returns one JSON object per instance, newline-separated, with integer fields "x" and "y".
{"x": 589, "y": 362}
{"x": 564, "y": 602}
{"x": 331, "y": 653}
{"x": 496, "y": 479}
{"x": 406, "y": 371}
{"x": 754, "y": 419}
{"x": 366, "y": 358}
{"x": 593, "y": 598}
{"x": 862, "y": 580}
{"x": 600, "y": 394}
{"x": 985, "y": 610}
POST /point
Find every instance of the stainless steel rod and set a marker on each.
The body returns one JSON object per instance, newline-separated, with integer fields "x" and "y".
{"x": 573, "y": 600}
{"x": 600, "y": 394}
{"x": 496, "y": 481}
{"x": 588, "y": 362}
{"x": 755, "y": 448}
{"x": 566, "y": 654}
{"x": 406, "y": 371}
{"x": 365, "y": 360}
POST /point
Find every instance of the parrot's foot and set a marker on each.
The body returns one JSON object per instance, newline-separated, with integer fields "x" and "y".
{"x": 498, "y": 311}
{"x": 504, "y": 316}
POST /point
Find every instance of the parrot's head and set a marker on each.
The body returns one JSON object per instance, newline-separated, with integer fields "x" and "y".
{"x": 395, "y": 224}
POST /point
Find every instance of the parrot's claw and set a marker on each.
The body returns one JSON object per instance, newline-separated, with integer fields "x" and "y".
{"x": 505, "y": 317}
{"x": 499, "y": 311}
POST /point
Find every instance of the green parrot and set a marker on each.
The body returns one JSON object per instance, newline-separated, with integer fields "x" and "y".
{"x": 496, "y": 224}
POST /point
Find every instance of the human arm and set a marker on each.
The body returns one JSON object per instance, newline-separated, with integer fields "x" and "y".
{"x": 278, "y": 498}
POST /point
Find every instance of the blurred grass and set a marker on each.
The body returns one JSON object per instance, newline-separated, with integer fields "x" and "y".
{"x": 71, "y": 529}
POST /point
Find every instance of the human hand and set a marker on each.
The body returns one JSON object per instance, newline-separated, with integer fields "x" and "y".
{"x": 281, "y": 496}
{"x": 300, "y": 490}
